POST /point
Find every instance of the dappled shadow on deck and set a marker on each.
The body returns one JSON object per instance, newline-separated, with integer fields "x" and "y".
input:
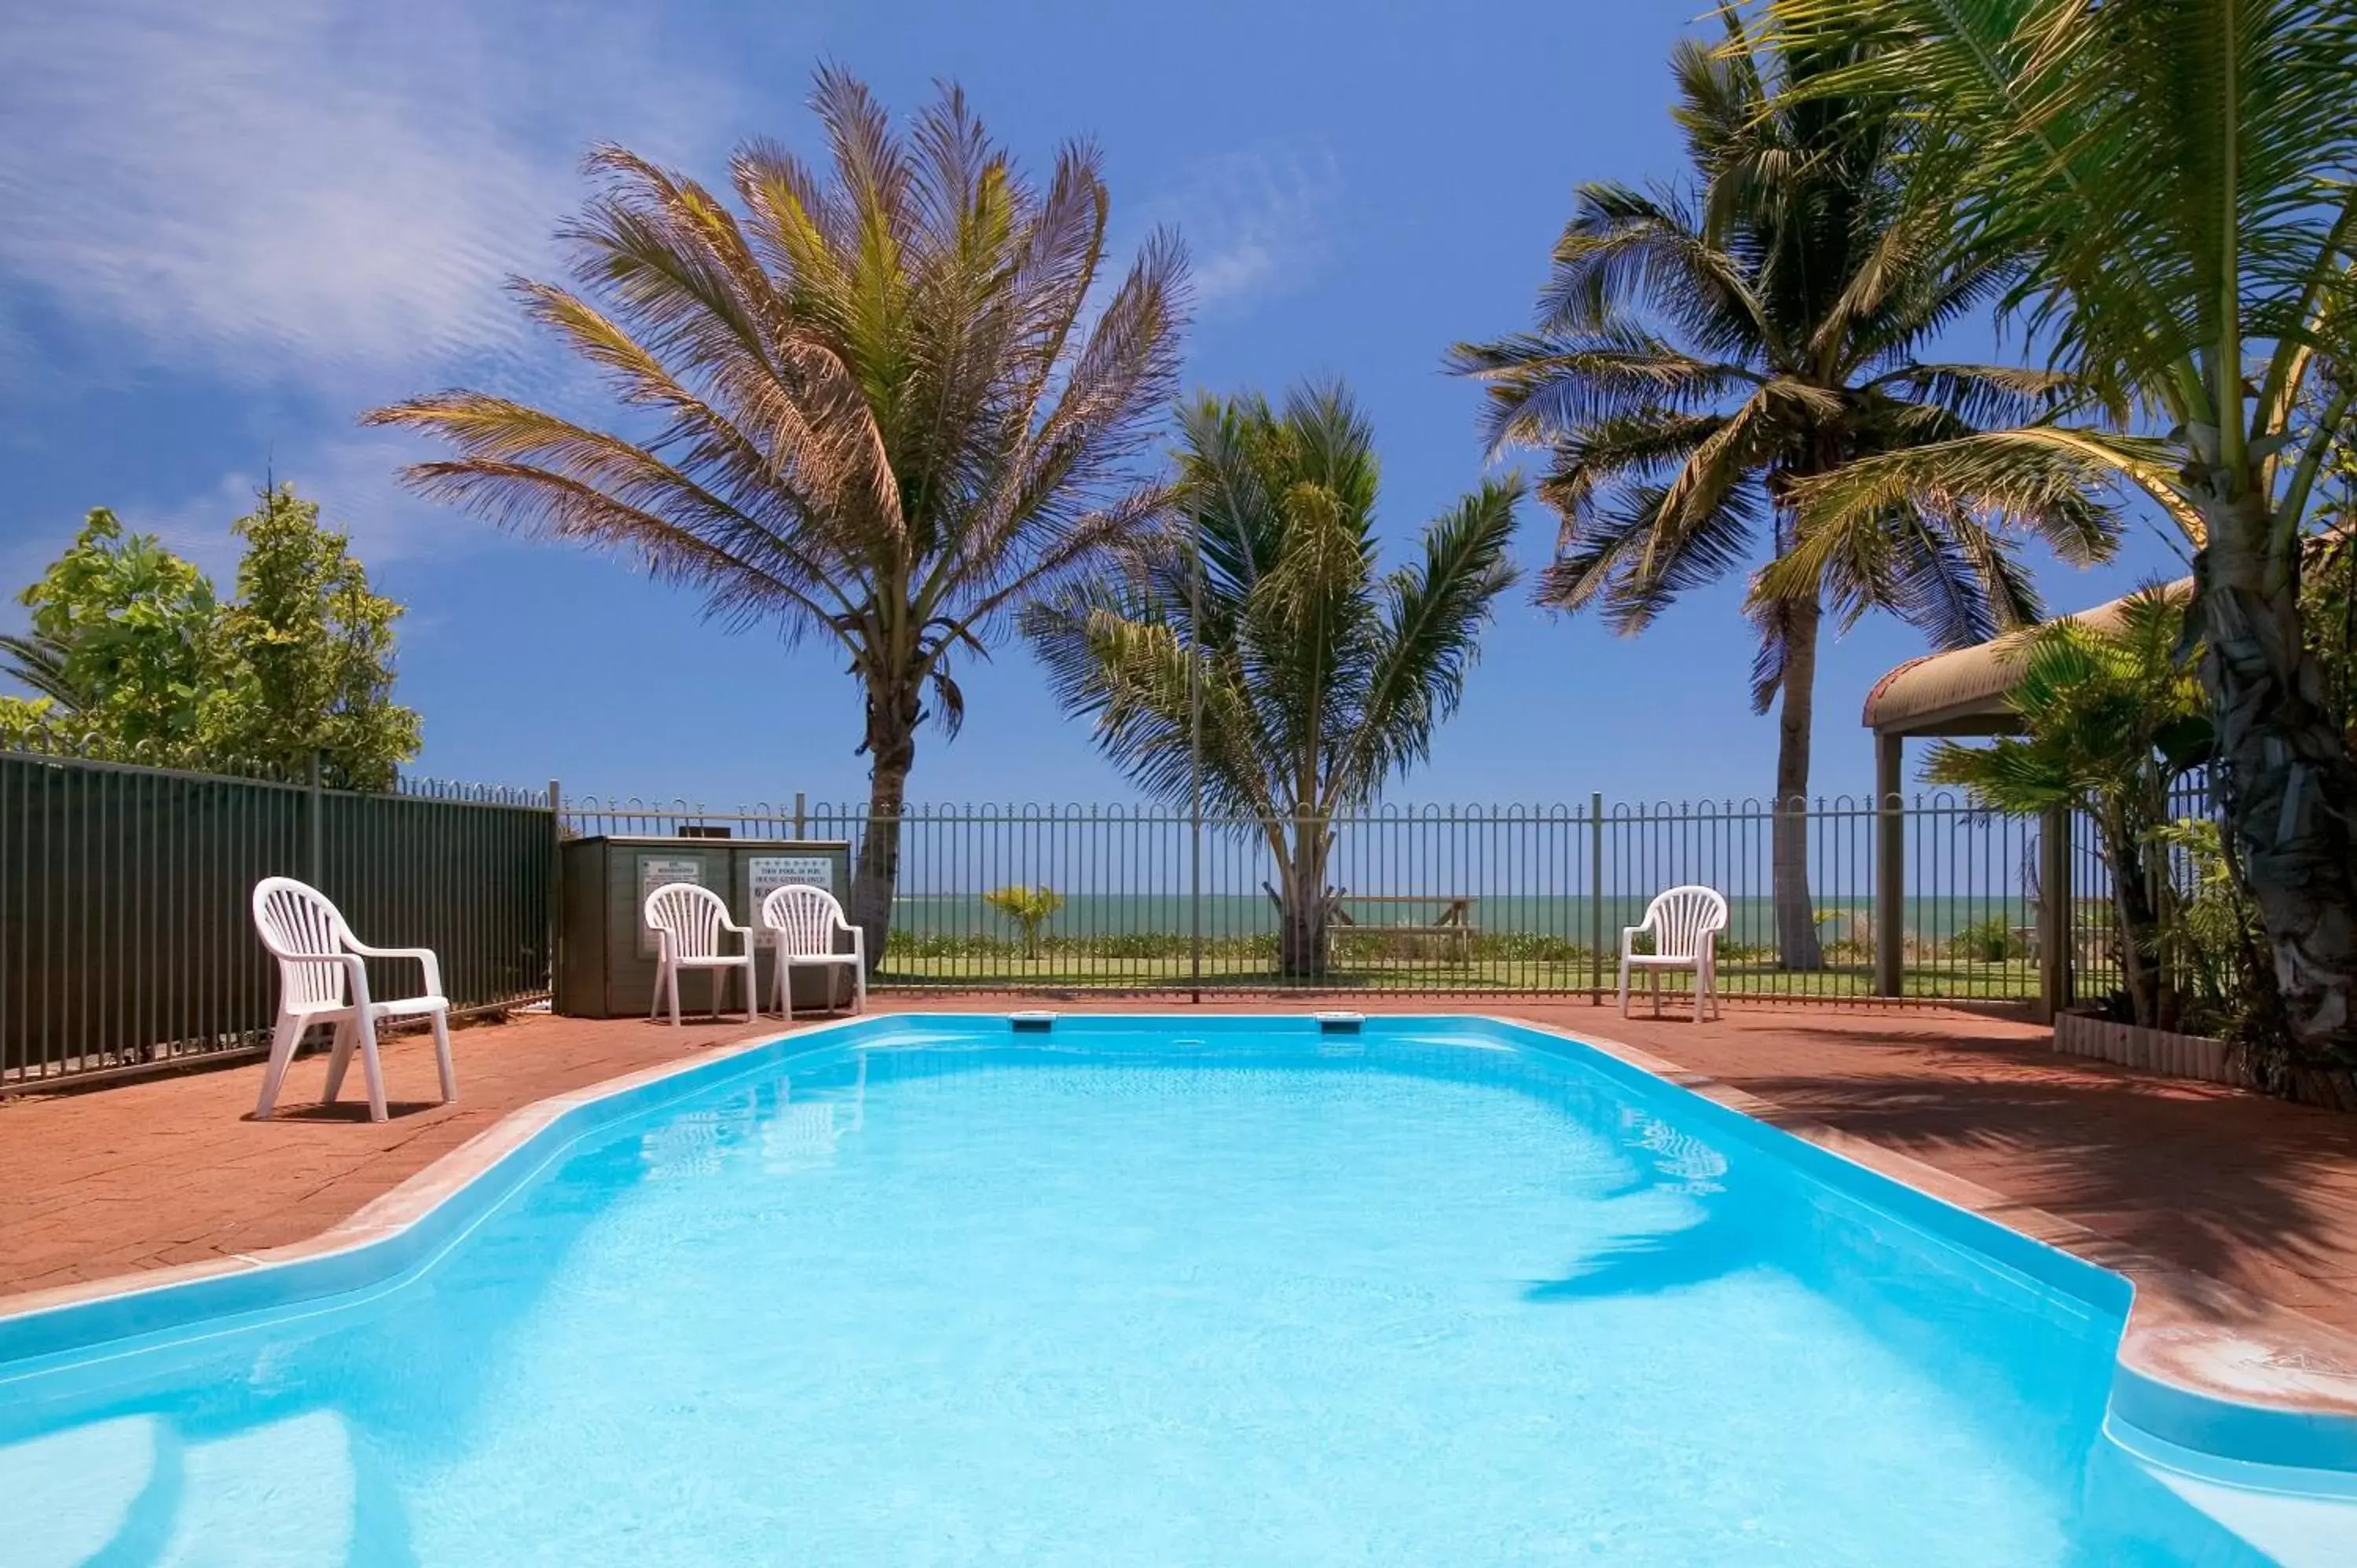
{"x": 2253, "y": 1191}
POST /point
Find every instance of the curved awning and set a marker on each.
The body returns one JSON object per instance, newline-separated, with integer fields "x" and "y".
{"x": 1963, "y": 692}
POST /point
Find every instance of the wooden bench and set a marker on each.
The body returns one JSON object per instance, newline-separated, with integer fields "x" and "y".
{"x": 1454, "y": 923}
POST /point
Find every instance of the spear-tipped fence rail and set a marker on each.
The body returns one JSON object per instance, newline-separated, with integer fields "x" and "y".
{"x": 124, "y": 945}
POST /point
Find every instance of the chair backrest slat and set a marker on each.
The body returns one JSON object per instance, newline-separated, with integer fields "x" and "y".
{"x": 804, "y": 919}
{"x": 1681, "y": 917}
{"x": 300, "y": 926}
{"x": 693, "y": 915}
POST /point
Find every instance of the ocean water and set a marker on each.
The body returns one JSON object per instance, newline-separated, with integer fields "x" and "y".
{"x": 1751, "y": 919}
{"x": 1240, "y": 1297}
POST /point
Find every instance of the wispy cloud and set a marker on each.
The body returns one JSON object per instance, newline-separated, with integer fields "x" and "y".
{"x": 290, "y": 190}
{"x": 1258, "y": 222}
{"x": 311, "y": 198}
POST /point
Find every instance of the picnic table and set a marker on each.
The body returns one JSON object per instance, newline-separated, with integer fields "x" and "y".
{"x": 1454, "y": 922}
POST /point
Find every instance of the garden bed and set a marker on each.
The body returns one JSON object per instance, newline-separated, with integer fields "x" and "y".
{"x": 2150, "y": 1050}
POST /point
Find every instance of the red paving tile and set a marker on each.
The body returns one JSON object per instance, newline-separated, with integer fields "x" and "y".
{"x": 2257, "y": 1193}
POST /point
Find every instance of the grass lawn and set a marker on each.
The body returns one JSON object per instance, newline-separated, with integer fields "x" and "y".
{"x": 1957, "y": 977}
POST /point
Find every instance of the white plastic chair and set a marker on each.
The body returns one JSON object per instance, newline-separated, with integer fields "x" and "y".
{"x": 1684, "y": 923}
{"x": 323, "y": 979}
{"x": 687, "y": 921}
{"x": 800, "y": 922}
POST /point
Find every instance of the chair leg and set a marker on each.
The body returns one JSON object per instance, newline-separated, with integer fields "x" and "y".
{"x": 654, "y": 1003}
{"x": 283, "y": 1041}
{"x": 1624, "y": 988}
{"x": 859, "y": 987}
{"x": 371, "y": 1066}
{"x": 1702, "y": 991}
{"x": 1654, "y": 990}
{"x": 785, "y": 987}
{"x": 339, "y": 1057}
{"x": 442, "y": 1056}
{"x": 671, "y": 990}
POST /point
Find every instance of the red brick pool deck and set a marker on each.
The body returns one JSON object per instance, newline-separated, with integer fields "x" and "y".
{"x": 2211, "y": 1184}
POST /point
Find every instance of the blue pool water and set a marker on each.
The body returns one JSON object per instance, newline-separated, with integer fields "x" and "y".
{"x": 1232, "y": 1293}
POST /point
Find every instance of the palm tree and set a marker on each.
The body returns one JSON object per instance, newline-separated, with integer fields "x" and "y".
{"x": 1318, "y": 680}
{"x": 2112, "y": 717}
{"x": 1700, "y": 350}
{"x": 878, "y": 409}
{"x": 43, "y": 665}
{"x": 2177, "y": 174}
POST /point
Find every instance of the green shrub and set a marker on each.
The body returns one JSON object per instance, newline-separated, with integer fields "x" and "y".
{"x": 1990, "y": 939}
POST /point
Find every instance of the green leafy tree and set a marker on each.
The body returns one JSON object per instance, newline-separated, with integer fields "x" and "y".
{"x": 883, "y": 409}
{"x": 2177, "y": 175}
{"x": 1029, "y": 907}
{"x": 306, "y": 658}
{"x": 133, "y": 659}
{"x": 2113, "y": 717}
{"x": 1701, "y": 349}
{"x": 121, "y": 652}
{"x": 1319, "y": 679}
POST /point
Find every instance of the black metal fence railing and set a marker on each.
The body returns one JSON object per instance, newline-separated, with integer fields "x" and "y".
{"x": 1472, "y": 900}
{"x": 2097, "y": 970}
{"x": 125, "y": 940}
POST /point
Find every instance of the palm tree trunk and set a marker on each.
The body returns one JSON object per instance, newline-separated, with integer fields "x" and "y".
{"x": 892, "y": 751}
{"x": 2139, "y": 925}
{"x": 1796, "y": 917}
{"x": 2289, "y": 785}
{"x": 1302, "y": 936}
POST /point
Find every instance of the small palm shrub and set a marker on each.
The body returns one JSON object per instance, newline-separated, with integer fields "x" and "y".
{"x": 1029, "y": 907}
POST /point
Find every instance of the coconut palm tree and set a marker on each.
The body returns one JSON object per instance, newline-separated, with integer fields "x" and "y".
{"x": 1699, "y": 348}
{"x": 882, "y": 409}
{"x": 1318, "y": 679}
{"x": 2112, "y": 717}
{"x": 2178, "y": 175}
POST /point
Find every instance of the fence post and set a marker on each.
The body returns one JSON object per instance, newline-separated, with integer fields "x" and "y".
{"x": 556, "y": 888}
{"x": 800, "y": 817}
{"x": 1596, "y": 898}
{"x": 1889, "y": 866}
{"x": 315, "y": 857}
{"x": 2058, "y": 912}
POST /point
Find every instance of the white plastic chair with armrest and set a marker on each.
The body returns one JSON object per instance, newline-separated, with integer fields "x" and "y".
{"x": 1684, "y": 923}
{"x": 323, "y": 979}
{"x": 800, "y": 922}
{"x": 688, "y": 921}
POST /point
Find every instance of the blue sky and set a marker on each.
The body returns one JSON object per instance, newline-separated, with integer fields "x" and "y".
{"x": 233, "y": 227}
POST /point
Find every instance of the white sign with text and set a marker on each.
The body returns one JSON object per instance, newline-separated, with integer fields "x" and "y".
{"x": 654, "y": 871}
{"x": 767, "y": 873}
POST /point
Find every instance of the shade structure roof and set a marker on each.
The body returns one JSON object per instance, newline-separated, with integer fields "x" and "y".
{"x": 1964, "y": 692}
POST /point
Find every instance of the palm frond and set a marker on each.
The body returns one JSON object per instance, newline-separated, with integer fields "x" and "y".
{"x": 1712, "y": 357}
{"x": 39, "y": 664}
{"x": 869, "y": 401}
{"x": 1320, "y": 679}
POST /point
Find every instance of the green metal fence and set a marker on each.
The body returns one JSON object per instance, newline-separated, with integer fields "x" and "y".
{"x": 125, "y": 942}
{"x": 1508, "y": 899}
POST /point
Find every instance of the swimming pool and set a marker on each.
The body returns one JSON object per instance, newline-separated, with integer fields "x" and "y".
{"x": 1233, "y": 1291}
